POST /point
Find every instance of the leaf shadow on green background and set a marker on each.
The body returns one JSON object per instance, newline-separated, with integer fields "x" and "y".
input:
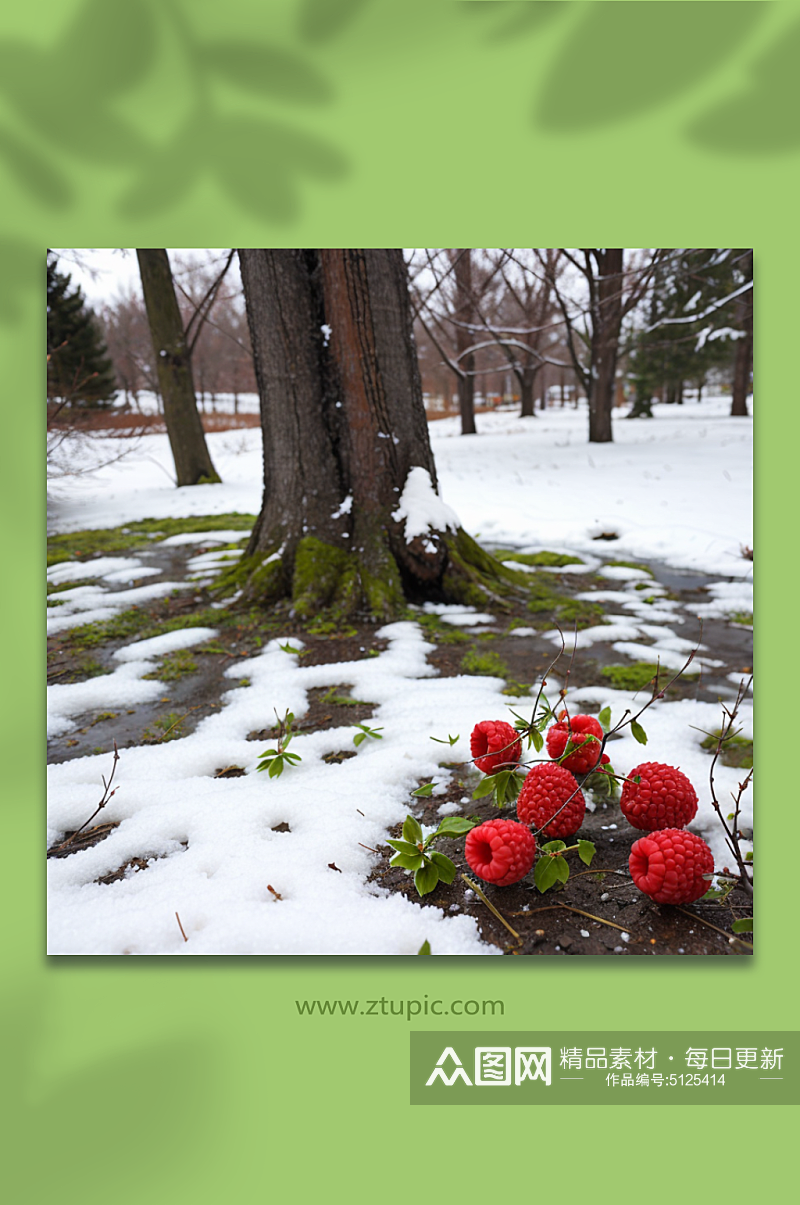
{"x": 514, "y": 18}
{"x": 68, "y": 104}
{"x": 623, "y": 59}
{"x": 258, "y": 158}
{"x": 21, "y": 268}
{"x": 64, "y": 95}
{"x": 764, "y": 118}
{"x": 85, "y": 1119}
{"x": 319, "y": 21}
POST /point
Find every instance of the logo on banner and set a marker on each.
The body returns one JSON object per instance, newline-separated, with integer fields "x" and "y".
{"x": 494, "y": 1066}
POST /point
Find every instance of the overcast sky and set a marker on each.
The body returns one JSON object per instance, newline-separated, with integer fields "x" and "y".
{"x": 104, "y": 274}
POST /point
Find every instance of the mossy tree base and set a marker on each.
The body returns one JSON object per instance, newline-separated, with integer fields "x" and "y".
{"x": 320, "y": 579}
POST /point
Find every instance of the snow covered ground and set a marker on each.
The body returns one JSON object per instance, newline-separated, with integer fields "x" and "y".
{"x": 675, "y": 489}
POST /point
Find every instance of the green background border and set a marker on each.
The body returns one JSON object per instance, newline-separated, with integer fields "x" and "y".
{"x": 194, "y": 1079}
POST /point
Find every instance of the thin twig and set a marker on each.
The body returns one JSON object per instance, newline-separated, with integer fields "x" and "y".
{"x": 180, "y": 926}
{"x": 107, "y": 793}
{"x": 591, "y": 916}
{"x": 732, "y": 938}
{"x": 474, "y": 887}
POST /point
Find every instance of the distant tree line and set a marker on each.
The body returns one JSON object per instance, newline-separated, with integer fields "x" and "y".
{"x": 617, "y": 327}
{"x": 611, "y": 325}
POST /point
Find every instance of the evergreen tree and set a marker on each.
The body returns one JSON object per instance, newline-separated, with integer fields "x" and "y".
{"x": 676, "y": 348}
{"x": 79, "y": 370}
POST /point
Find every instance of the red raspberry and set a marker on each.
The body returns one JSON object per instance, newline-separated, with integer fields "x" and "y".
{"x": 579, "y": 730}
{"x": 500, "y": 851}
{"x": 669, "y": 864}
{"x": 663, "y": 799}
{"x": 546, "y": 787}
{"x": 495, "y": 746}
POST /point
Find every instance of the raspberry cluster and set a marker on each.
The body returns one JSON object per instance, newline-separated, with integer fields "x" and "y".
{"x": 668, "y": 864}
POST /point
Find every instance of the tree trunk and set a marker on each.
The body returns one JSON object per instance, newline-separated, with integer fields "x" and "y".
{"x": 744, "y": 353}
{"x": 606, "y": 325}
{"x": 465, "y": 312}
{"x": 642, "y": 406}
{"x": 351, "y": 523}
{"x": 526, "y": 381}
{"x": 174, "y": 367}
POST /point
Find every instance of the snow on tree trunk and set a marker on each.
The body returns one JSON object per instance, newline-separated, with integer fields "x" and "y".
{"x": 174, "y": 368}
{"x": 351, "y": 522}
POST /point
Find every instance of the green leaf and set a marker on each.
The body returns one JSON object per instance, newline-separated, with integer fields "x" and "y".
{"x": 426, "y": 878}
{"x": 748, "y": 857}
{"x": 407, "y": 862}
{"x": 638, "y": 732}
{"x": 538, "y": 739}
{"x": 500, "y": 784}
{"x": 405, "y": 847}
{"x": 545, "y": 874}
{"x": 358, "y": 738}
{"x": 276, "y": 769}
{"x": 586, "y": 851}
{"x": 411, "y": 830}
{"x": 486, "y": 787}
{"x": 425, "y": 948}
{"x": 423, "y": 792}
{"x": 553, "y": 846}
{"x": 452, "y": 826}
{"x": 745, "y": 925}
{"x": 451, "y": 740}
{"x": 447, "y": 870}
{"x": 562, "y": 868}
{"x": 604, "y": 719}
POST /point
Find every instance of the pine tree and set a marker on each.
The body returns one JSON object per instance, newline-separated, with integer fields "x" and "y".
{"x": 79, "y": 370}
{"x": 676, "y": 348}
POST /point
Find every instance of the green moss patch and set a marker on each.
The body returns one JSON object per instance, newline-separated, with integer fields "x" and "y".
{"x": 438, "y": 631}
{"x": 563, "y": 608}
{"x": 550, "y": 560}
{"x": 141, "y": 534}
{"x": 167, "y": 727}
{"x": 639, "y": 674}
{"x": 736, "y": 751}
{"x": 173, "y": 666}
{"x": 489, "y": 665}
{"x": 629, "y": 565}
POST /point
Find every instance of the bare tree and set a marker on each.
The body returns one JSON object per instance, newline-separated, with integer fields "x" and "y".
{"x": 174, "y": 367}
{"x": 594, "y": 323}
{"x": 521, "y": 321}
